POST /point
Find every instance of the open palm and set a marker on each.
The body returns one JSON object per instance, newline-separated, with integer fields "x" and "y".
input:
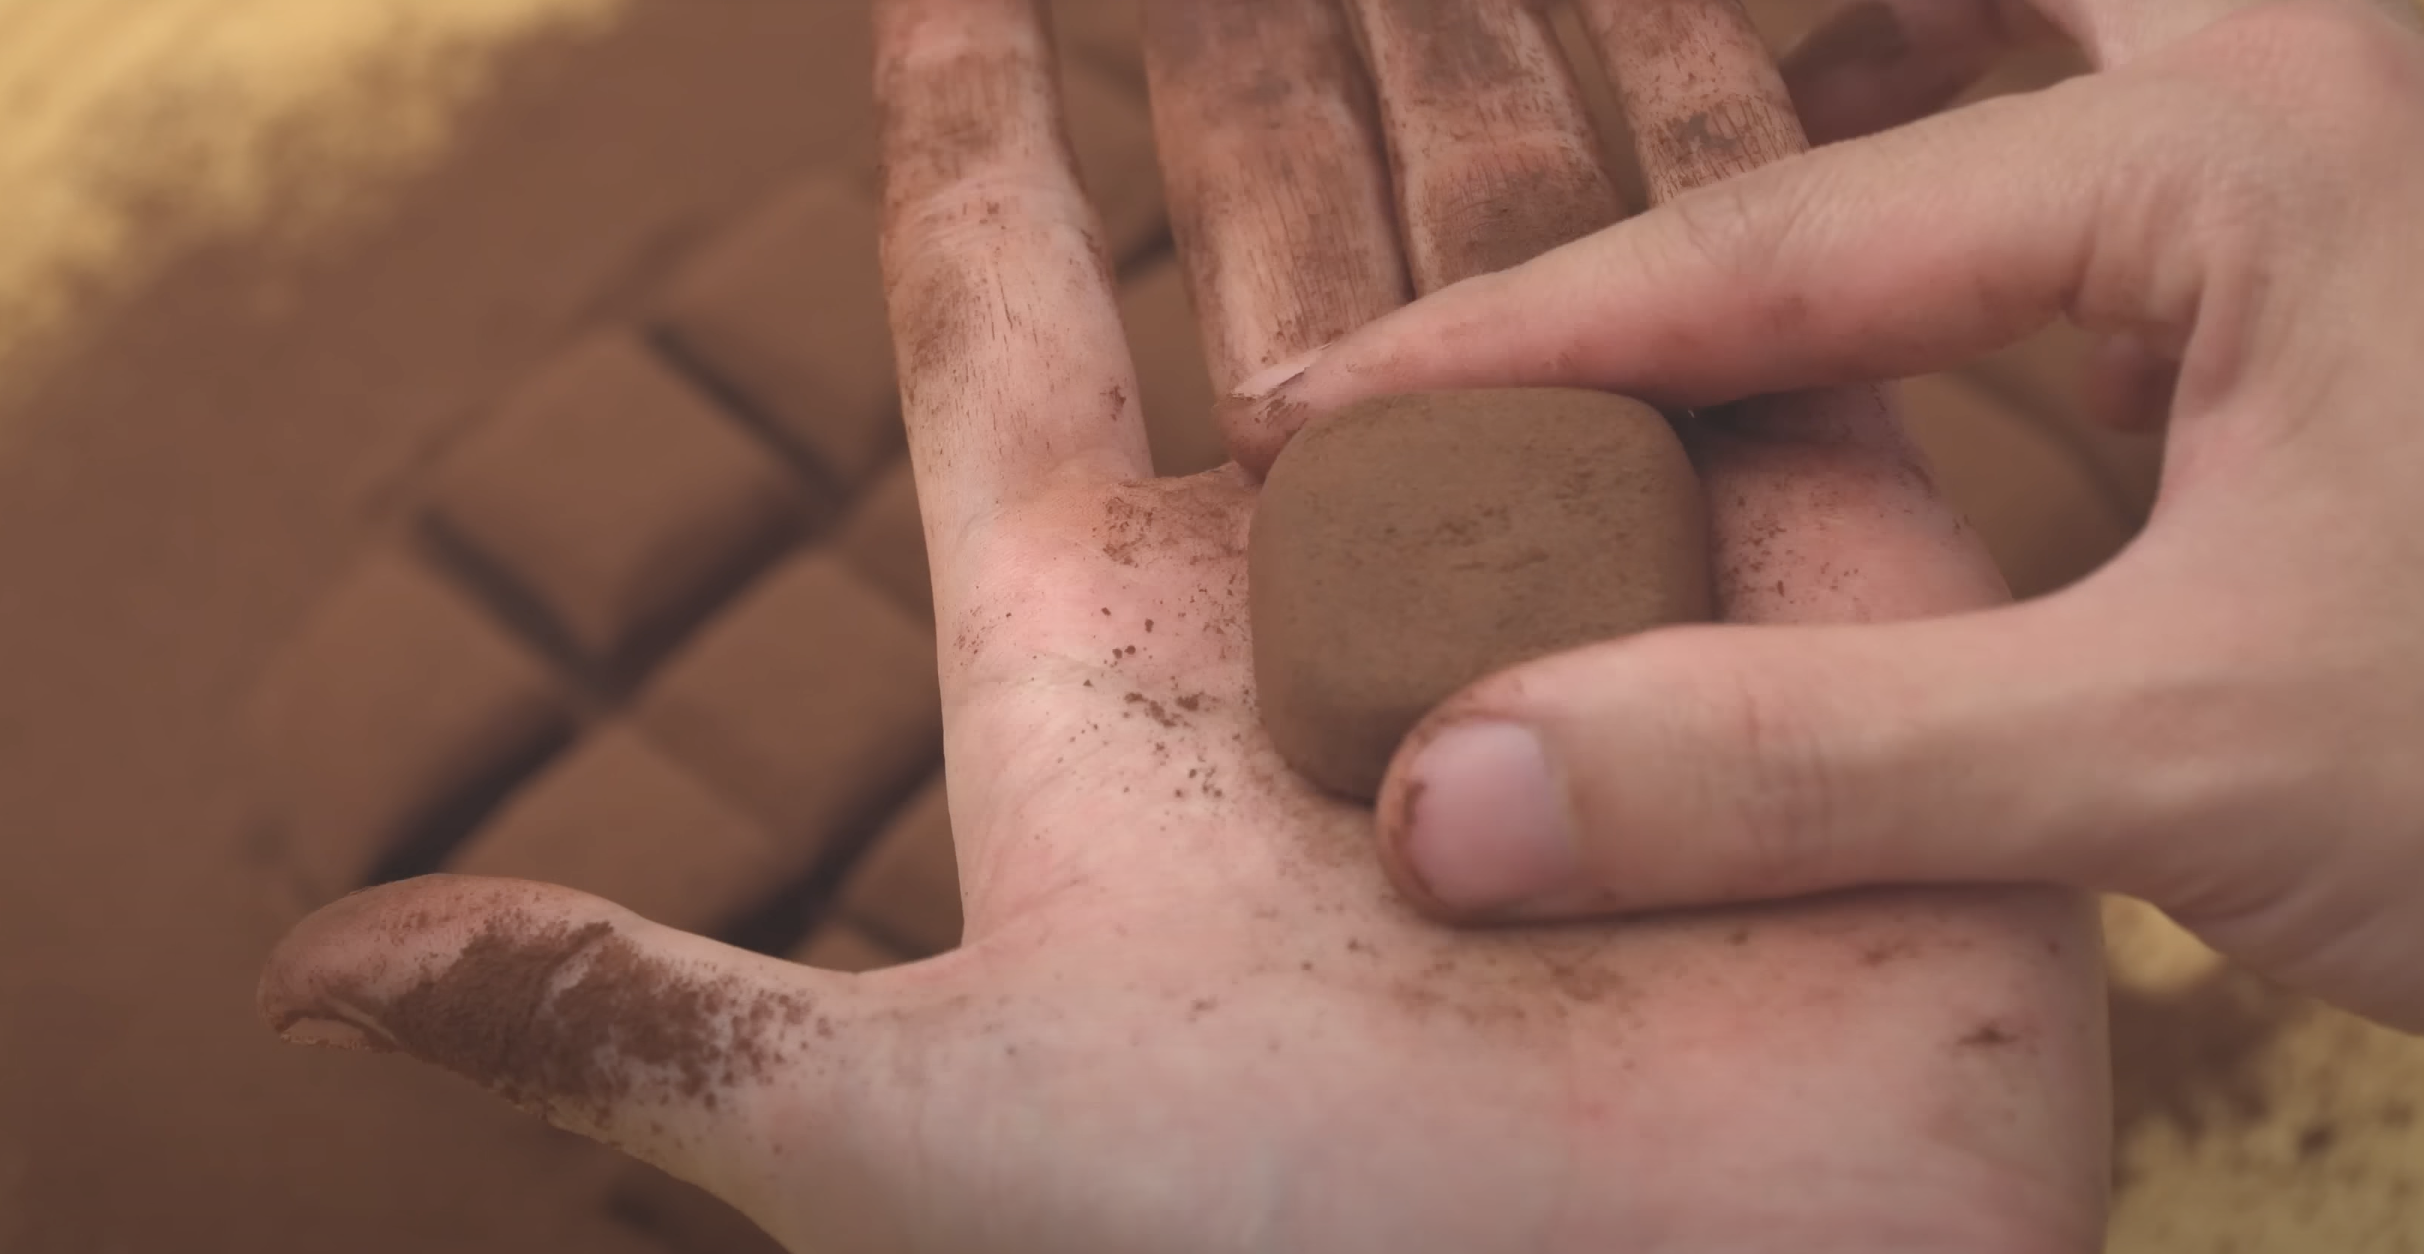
{"x": 1191, "y": 1013}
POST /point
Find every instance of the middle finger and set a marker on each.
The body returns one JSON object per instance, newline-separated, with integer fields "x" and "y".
{"x": 1495, "y": 156}
{"x": 1822, "y": 507}
{"x": 1279, "y": 200}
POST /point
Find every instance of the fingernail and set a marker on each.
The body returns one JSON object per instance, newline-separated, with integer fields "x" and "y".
{"x": 1488, "y": 829}
{"x": 1262, "y": 383}
{"x": 330, "y": 1034}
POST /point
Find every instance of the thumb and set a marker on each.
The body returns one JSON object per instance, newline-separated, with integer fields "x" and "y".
{"x": 684, "y": 1052}
{"x": 1715, "y": 764}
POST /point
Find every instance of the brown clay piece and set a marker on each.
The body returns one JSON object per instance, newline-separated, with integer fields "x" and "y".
{"x": 1413, "y": 544}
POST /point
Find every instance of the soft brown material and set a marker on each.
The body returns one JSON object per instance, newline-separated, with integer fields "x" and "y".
{"x": 1414, "y": 544}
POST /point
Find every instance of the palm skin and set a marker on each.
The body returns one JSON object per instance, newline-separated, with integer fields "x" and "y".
{"x": 1191, "y": 1012}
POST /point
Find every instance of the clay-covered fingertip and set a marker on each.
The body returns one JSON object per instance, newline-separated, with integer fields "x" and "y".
{"x": 1253, "y": 438}
{"x": 320, "y": 981}
{"x": 334, "y": 1034}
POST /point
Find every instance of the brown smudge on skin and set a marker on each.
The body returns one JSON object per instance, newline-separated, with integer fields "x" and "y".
{"x": 1496, "y": 158}
{"x": 1709, "y": 137}
{"x": 943, "y": 127}
{"x": 1458, "y": 52}
{"x": 560, "y": 1016}
{"x": 1196, "y": 521}
{"x": 939, "y": 122}
{"x": 1258, "y": 430}
{"x": 1708, "y": 145}
{"x": 1508, "y": 980}
{"x": 1584, "y": 978}
{"x": 1991, "y": 1034}
{"x": 1705, "y": 99}
{"x": 1493, "y": 222}
{"x": 1884, "y": 952}
{"x": 1154, "y": 710}
{"x": 937, "y": 319}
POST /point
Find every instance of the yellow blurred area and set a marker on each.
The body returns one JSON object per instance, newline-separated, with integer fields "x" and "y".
{"x": 2253, "y": 1121}
{"x": 131, "y": 128}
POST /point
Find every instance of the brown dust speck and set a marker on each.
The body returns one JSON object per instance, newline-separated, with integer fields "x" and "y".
{"x": 1989, "y": 1035}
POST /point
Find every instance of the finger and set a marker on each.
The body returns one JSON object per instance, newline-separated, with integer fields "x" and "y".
{"x": 1493, "y": 151}
{"x": 1013, "y": 369}
{"x": 1906, "y": 253}
{"x": 686, "y": 1053}
{"x": 1695, "y": 79}
{"x": 1876, "y": 64}
{"x": 1279, "y": 197}
{"x": 1732, "y": 764}
{"x": 1821, "y": 505}
{"x": 1495, "y": 156}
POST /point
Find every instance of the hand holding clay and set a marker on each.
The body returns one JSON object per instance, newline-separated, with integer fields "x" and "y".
{"x": 1191, "y": 1013}
{"x": 2227, "y": 720}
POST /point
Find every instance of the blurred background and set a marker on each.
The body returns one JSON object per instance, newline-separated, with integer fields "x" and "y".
{"x": 427, "y": 430}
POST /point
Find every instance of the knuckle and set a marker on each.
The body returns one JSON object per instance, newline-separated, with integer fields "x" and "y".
{"x": 2261, "y": 143}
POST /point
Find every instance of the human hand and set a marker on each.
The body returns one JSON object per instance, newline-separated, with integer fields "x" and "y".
{"x": 1190, "y": 1012}
{"x": 2225, "y": 721}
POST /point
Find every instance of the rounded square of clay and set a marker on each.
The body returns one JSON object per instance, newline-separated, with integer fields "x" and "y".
{"x": 1413, "y": 544}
